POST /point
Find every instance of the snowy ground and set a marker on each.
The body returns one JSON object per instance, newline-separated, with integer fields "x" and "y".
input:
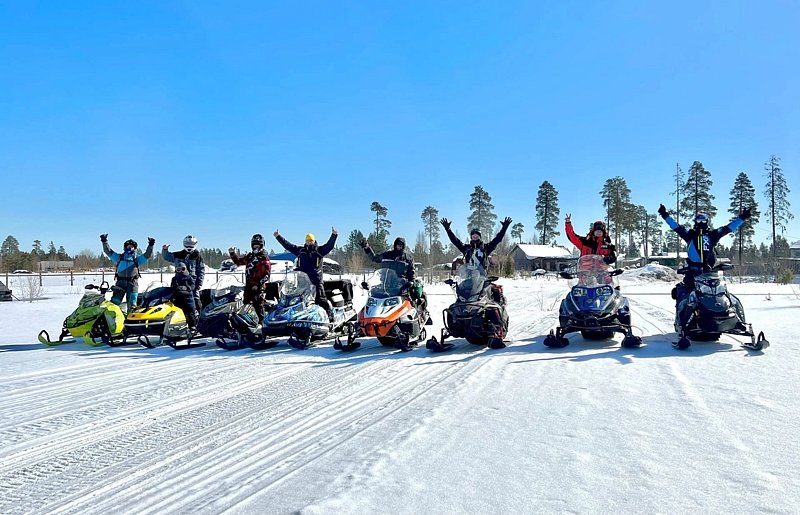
{"x": 590, "y": 428}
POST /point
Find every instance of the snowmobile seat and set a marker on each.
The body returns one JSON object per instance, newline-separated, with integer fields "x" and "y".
{"x": 341, "y": 287}
{"x": 272, "y": 290}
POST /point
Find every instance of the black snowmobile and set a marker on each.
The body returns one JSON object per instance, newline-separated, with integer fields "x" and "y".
{"x": 478, "y": 315}
{"x": 594, "y": 306}
{"x": 222, "y": 300}
{"x": 247, "y": 328}
{"x": 711, "y": 310}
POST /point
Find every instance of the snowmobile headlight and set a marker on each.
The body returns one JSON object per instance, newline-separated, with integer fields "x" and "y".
{"x": 391, "y": 302}
{"x": 605, "y": 290}
{"x": 578, "y": 291}
{"x": 371, "y": 302}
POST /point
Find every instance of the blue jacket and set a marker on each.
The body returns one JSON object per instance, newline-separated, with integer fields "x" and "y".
{"x": 183, "y": 285}
{"x": 701, "y": 243}
{"x": 194, "y": 263}
{"x": 128, "y": 263}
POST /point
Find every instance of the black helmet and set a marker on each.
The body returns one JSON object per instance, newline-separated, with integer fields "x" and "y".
{"x": 400, "y": 241}
{"x": 701, "y": 220}
{"x": 257, "y": 239}
{"x": 131, "y": 242}
{"x": 599, "y": 225}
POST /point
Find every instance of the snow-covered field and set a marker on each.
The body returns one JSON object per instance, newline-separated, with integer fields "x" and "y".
{"x": 590, "y": 428}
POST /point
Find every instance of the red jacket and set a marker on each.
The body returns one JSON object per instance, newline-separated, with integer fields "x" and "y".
{"x": 258, "y": 267}
{"x": 592, "y": 245}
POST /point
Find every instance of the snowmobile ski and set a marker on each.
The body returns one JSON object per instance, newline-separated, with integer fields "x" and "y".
{"x": 757, "y": 343}
{"x": 261, "y": 345}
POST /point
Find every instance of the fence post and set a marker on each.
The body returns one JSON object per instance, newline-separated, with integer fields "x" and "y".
{"x": 71, "y": 279}
{"x": 40, "y": 276}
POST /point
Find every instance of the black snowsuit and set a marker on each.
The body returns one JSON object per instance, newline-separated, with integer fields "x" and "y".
{"x": 309, "y": 260}
{"x": 194, "y": 265}
{"x": 476, "y": 252}
{"x": 183, "y": 296}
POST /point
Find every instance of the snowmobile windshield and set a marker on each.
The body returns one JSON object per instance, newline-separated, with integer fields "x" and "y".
{"x": 472, "y": 281}
{"x": 711, "y": 284}
{"x": 594, "y": 289}
{"x": 91, "y": 299}
{"x": 226, "y": 289}
{"x": 296, "y": 288}
{"x": 385, "y": 283}
{"x": 155, "y": 294}
{"x": 399, "y": 267}
{"x": 593, "y": 271}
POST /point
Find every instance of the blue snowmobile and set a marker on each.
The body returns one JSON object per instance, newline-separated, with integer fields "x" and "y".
{"x": 297, "y": 315}
{"x": 594, "y": 306}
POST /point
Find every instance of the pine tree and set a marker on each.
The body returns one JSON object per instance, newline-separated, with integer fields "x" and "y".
{"x": 777, "y": 193}
{"x": 743, "y": 195}
{"x": 419, "y": 248}
{"x": 10, "y": 246}
{"x": 697, "y": 192}
{"x": 517, "y": 230}
{"x": 616, "y": 197}
{"x": 377, "y": 240}
{"x": 482, "y": 216}
{"x": 547, "y": 212}
{"x": 61, "y": 254}
{"x": 679, "y": 180}
{"x": 52, "y": 253}
{"x": 430, "y": 223}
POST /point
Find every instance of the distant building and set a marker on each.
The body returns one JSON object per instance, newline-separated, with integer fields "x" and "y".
{"x": 794, "y": 250}
{"x": 56, "y": 266}
{"x": 529, "y": 257}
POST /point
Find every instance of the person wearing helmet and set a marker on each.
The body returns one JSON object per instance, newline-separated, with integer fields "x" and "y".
{"x": 398, "y": 253}
{"x": 190, "y": 256}
{"x": 476, "y": 252}
{"x": 127, "y": 269}
{"x": 183, "y": 289}
{"x": 595, "y": 242}
{"x": 700, "y": 240}
{"x": 257, "y": 273}
{"x": 309, "y": 260}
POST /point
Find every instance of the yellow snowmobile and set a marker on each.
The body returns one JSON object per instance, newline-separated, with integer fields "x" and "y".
{"x": 97, "y": 321}
{"x": 156, "y": 321}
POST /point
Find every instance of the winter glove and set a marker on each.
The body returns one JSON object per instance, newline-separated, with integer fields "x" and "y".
{"x": 662, "y": 211}
{"x": 745, "y": 214}
{"x": 104, "y": 237}
{"x": 151, "y": 241}
{"x": 445, "y": 223}
{"x": 506, "y": 222}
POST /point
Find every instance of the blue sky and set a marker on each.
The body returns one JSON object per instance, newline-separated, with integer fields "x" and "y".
{"x": 222, "y": 119}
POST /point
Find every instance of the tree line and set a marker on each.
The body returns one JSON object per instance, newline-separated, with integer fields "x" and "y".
{"x": 635, "y": 230}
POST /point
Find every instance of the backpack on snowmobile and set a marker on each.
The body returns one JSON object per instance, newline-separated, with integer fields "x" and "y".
{"x": 594, "y": 306}
{"x": 96, "y": 320}
{"x": 710, "y": 310}
{"x": 389, "y": 314}
{"x": 479, "y": 313}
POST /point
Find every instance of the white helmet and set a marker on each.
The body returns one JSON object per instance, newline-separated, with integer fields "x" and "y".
{"x": 189, "y": 243}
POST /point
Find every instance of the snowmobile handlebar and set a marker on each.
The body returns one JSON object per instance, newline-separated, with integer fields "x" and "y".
{"x": 719, "y": 266}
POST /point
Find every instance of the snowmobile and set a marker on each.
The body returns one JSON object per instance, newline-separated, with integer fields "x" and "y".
{"x": 247, "y": 329}
{"x": 223, "y": 299}
{"x": 97, "y": 321}
{"x": 711, "y": 310}
{"x": 479, "y": 313}
{"x": 594, "y": 306}
{"x": 389, "y": 314}
{"x": 156, "y": 321}
{"x": 297, "y": 316}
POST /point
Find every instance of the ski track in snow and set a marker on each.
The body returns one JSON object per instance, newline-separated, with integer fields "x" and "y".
{"x": 99, "y": 430}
